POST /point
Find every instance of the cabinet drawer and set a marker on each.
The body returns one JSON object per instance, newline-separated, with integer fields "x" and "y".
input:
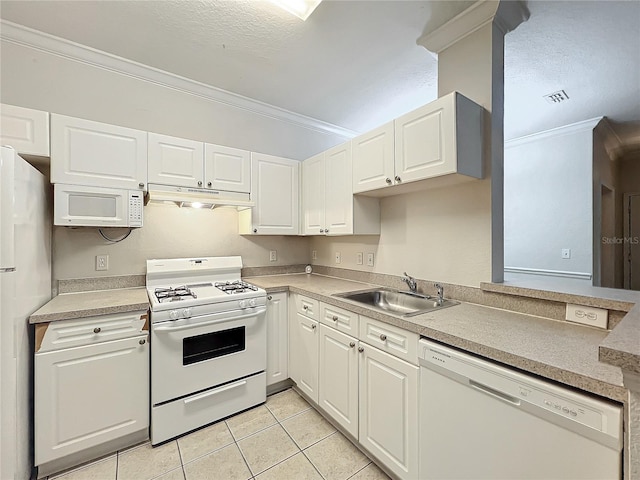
{"x": 307, "y": 306}
{"x": 391, "y": 339}
{"x": 340, "y": 319}
{"x": 90, "y": 330}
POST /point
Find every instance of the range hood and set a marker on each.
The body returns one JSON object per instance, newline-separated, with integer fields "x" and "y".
{"x": 198, "y": 197}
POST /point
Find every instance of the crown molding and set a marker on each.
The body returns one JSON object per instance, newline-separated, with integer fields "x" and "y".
{"x": 584, "y": 125}
{"x": 44, "y": 42}
{"x": 505, "y": 15}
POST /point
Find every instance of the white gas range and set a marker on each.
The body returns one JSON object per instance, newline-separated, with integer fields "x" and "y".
{"x": 208, "y": 343}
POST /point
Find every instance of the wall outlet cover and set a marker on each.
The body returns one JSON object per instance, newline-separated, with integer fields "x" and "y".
{"x": 566, "y": 253}
{"x": 370, "y": 259}
{"x": 102, "y": 262}
{"x": 595, "y": 317}
{"x": 338, "y": 257}
{"x": 273, "y": 255}
{"x": 359, "y": 258}
{"x": 314, "y": 254}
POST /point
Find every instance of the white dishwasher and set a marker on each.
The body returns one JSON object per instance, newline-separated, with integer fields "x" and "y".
{"x": 479, "y": 420}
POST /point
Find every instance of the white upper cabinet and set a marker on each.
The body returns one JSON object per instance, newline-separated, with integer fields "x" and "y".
{"x": 328, "y": 202}
{"x": 274, "y": 189}
{"x": 441, "y": 138}
{"x": 373, "y": 157}
{"x": 84, "y": 152}
{"x": 313, "y": 195}
{"x": 24, "y": 129}
{"x": 227, "y": 168}
{"x": 175, "y": 161}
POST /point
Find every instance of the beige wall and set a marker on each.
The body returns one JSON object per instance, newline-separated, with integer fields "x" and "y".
{"x": 169, "y": 232}
{"x": 439, "y": 234}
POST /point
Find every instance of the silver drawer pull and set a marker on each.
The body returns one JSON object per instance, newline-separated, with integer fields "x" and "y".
{"x": 313, "y": 327}
{"x": 142, "y": 341}
{"x": 334, "y": 318}
{"x": 360, "y": 349}
{"x": 269, "y": 297}
{"x": 383, "y": 337}
{"x": 352, "y": 344}
{"x": 97, "y": 330}
{"x": 305, "y": 307}
{"x": 213, "y": 392}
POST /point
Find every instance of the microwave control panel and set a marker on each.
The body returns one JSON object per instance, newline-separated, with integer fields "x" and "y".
{"x": 135, "y": 209}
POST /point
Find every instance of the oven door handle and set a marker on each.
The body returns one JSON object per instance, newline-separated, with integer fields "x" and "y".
{"x": 210, "y": 322}
{"x": 216, "y": 391}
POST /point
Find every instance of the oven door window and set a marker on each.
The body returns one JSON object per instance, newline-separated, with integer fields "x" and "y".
{"x": 211, "y": 345}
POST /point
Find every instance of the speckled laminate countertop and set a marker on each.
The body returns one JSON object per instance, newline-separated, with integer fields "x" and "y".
{"x": 87, "y": 304}
{"x": 553, "y": 349}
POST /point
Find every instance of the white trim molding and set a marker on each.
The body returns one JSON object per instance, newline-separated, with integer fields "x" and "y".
{"x": 589, "y": 124}
{"x": 549, "y": 273}
{"x": 28, "y": 37}
{"x": 506, "y": 16}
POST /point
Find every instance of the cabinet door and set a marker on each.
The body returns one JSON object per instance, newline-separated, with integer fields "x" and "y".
{"x": 227, "y": 168}
{"x": 373, "y": 159}
{"x": 86, "y": 396}
{"x": 313, "y": 195}
{"x": 24, "y": 129}
{"x": 338, "y": 196}
{"x": 338, "y": 378}
{"x": 388, "y": 423}
{"x": 425, "y": 141}
{"x": 84, "y": 152}
{"x": 175, "y": 161}
{"x": 277, "y": 338}
{"x": 275, "y": 190}
{"x": 305, "y": 355}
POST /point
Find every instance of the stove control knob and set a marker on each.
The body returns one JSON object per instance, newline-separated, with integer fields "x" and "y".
{"x": 242, "y": 304}
{"x": 186, "y": 313}
{"x": 252, "y": 302}
{"x": 173, "y": 314}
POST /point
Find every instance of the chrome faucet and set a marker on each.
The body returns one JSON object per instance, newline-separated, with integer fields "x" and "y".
{"x": 411, "y": 282}
{"x": 440, "y": 288}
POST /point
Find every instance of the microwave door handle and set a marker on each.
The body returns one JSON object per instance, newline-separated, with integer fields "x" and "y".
{"x": 210, "y": 322}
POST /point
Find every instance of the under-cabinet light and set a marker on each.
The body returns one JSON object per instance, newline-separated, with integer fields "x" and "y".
{"x": 300, "y": 8}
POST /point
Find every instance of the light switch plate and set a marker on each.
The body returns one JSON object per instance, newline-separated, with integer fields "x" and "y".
{"x": 273, "y": 255}
{"x": 595, "y": 317}
{"x": 370, "y": 259}
{"x": 338, "y": 257}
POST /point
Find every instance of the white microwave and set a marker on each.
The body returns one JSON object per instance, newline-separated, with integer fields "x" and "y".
{"x": 82, "y": 206}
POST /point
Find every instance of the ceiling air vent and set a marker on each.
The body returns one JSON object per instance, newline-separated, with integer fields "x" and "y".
{"x": 557, "y": 97}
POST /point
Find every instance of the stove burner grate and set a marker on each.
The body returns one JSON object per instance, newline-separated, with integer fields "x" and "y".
{"x": 173, "y": 294}
{"x": 237, "y": 286}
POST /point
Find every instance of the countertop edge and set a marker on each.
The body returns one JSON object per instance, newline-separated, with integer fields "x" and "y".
{"x": 621, "y": 348}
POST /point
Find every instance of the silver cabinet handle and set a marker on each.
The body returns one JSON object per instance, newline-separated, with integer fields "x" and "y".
{"x": 398, "y": 179}
{"x": 388, "y": 180}
{"x": 269, "y": 297}
{"x": 209, "y": 184}
{"x": 334, "y": 318}
{"x": 326, "y": 230}
{"x": 142, "y": 341}
{"x": 255, "y": 230}
{"x": 199, "y": 183}
{"x": 141, "y": 185}
{"x": 361, "y": 349}
{"x": 305, "y": 307}
{"x": 313, "y": 326}
{"x": 97, "y": 330}
{"x": 322, "y": 230}
{"x": 383, "y": 337}
{"x": 352, "y": 344}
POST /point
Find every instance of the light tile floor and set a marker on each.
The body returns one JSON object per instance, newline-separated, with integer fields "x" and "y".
{"x": 280, "y": 440}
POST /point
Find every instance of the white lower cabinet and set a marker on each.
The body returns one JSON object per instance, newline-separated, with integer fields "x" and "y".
{"x": 277, "y": 338}
{"x": 303, "y": 354}
{"x": 388, "y": 419}
{"x": 89, "y": 395}
{"x": 338, "y": 378}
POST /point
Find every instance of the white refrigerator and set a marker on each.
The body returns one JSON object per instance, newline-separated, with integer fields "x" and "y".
{"x": 25, "y": 285}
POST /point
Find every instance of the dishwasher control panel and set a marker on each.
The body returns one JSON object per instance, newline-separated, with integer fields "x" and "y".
{"x": 523, "y": 391}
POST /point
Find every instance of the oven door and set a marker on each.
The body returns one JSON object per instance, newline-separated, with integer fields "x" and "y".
{"x": 197, "y": 353}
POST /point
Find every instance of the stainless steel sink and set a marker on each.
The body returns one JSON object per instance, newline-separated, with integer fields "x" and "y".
{"x": 400, "y": 303}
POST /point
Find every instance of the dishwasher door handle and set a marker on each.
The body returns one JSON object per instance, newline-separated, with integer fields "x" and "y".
{"x": 505, "y": 397}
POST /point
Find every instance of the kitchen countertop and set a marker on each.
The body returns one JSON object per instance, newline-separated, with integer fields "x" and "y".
{"x": 556, "y": 350}
{"x": 87, "y": 304}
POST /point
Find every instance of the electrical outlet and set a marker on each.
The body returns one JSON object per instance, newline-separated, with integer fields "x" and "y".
{"x": 338, "y": 257}
{"x": 566, "y": 253}
{"x": 314, "y": 254}
{"x": 596, "y": 317}
{"x": 359, "y": 258}
{"x": 370, "y": 259}
{"x": 102, "y": 262}
{"x": 273, "y": 255}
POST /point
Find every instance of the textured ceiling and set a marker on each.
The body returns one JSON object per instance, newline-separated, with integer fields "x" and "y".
{"x": 356, "y": 63}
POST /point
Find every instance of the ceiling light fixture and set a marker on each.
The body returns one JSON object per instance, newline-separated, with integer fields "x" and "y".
{"x": 300, "y": 8}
